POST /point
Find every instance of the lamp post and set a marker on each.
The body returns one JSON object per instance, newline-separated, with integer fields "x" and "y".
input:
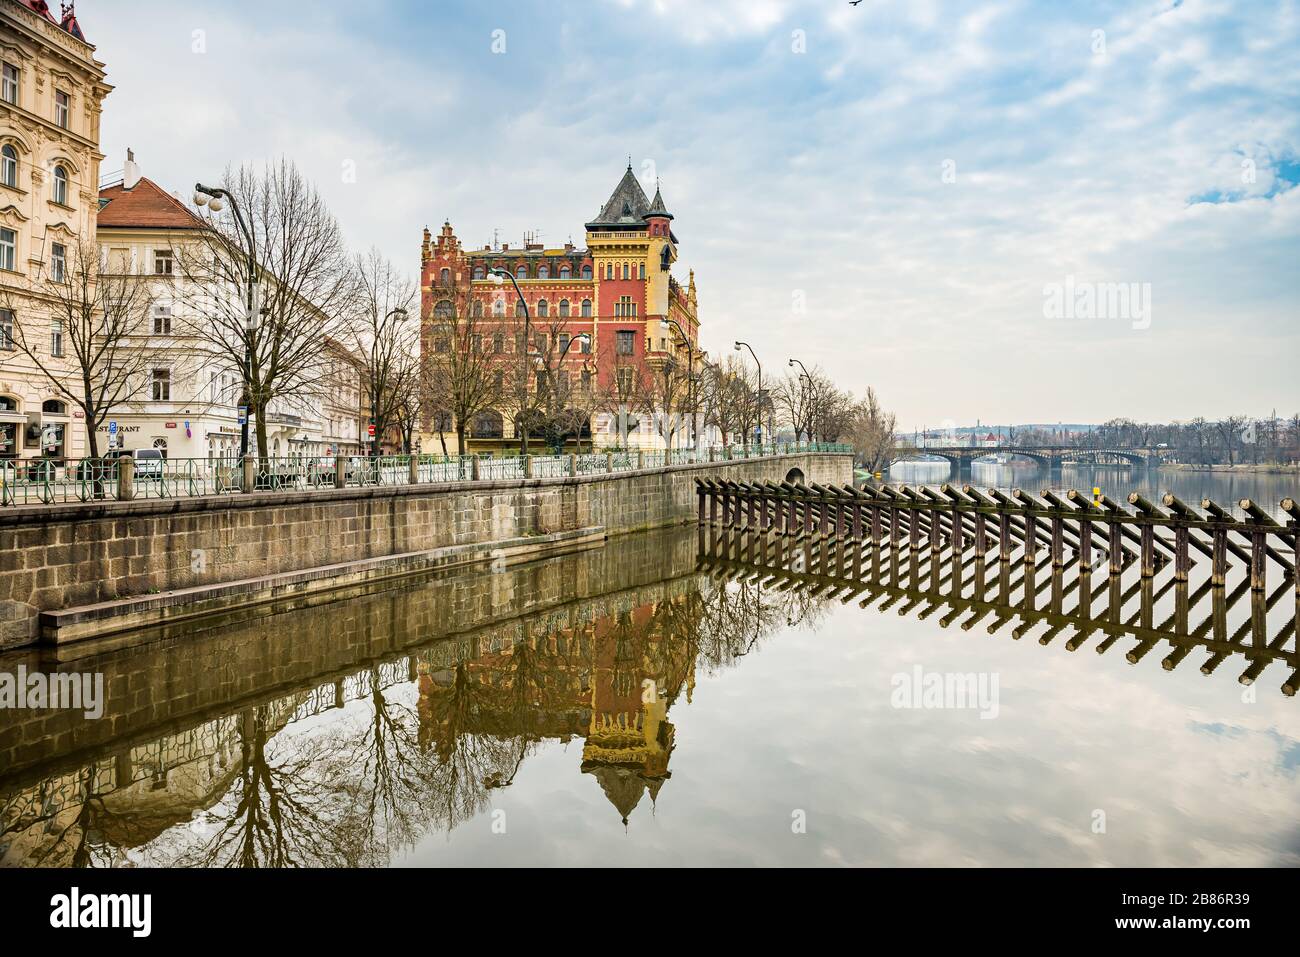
{"x": 690, "y": 373}
{"x": 803, "y": 377}
{"x": 215, "y": 198}
{"x": 760, "y": 385}
{"x": 499, "y": 276}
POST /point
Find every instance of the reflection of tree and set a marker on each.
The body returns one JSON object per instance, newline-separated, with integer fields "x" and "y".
{"x": 281, "y": 810}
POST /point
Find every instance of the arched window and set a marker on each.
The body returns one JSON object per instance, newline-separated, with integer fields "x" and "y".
{"x": 642, "y": 276}
{"x": 61, "y": 186}
{"x": 586, "y": 308}
{"x": 543, "y": 308}
{"x": 499, "y": 308}
{"x": 586, "y": 272}
{"x": 9, "y": 166}
{"x": 54, "y": 407}
{"x": 8, "y": 403}
{"x": 477, "y": 309}
{"x": 564, "y": 309}
{"x": 626, "y": 272}
{"x": 444, "y": 277}
{"x": 543, "y": 271}
{"x": 521, "y": 272}
{"x": 565, "y": 272}
{"x": 519, "y": 309}
{"x": 478, "y": 272}
{"x": 442, "y": 309}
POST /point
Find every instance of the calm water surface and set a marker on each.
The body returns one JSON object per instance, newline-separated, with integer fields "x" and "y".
{"x": 638, "y": 704}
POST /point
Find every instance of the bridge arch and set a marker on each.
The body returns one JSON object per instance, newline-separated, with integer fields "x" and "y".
{"x": 795, "y": 477}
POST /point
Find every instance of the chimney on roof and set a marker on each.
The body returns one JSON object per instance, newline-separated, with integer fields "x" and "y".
{"x": 130, "y": 172}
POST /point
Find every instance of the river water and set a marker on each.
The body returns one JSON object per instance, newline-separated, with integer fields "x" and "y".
{"x": 641, "y": 704}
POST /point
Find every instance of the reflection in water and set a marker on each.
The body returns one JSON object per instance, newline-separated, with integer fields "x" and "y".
{"x": 655, "y": 702}
{"x": 350, "y": 767}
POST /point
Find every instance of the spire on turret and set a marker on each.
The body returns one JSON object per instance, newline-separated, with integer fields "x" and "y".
{"x": 657, "y": 207}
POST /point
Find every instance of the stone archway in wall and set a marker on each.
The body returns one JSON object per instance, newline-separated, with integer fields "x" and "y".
{"x": 795, "y": 477}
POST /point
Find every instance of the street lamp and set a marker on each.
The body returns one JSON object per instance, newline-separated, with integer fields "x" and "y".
{"x": 215, "y": 199}
{"x": 690, "y": 373}
{"x": 803, "y": 377}
{"x": 499, "y": 276}
{"x": 760, "y": 386}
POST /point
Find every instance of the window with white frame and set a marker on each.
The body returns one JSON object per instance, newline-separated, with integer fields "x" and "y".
{"x": 162, "y": 385}
{"x": 9, "y": 166}
{"x": 62, "y": 108}
{"x": 9, "y": 85}
{"x": 162, "y": 320}
{"x": 8, "y": 248}
{"x": 56, "y": 337}
{"x": 60, "y": 187}
{"x": 6, "y": 328}
{"x": 58, "y": 262}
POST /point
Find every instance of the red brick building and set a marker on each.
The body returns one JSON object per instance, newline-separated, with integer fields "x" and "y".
{"x": 619, "y": 290}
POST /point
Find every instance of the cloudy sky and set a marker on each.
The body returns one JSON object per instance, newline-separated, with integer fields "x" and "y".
{"x": 898, "y": 192}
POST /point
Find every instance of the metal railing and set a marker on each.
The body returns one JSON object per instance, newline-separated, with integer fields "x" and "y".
{"x": 51, "y": 482}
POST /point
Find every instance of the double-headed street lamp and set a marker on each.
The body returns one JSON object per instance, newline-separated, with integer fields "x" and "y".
{"x": 215, "y": 198}
{"x": 760, "y": 386}
{"x": 690, "y": 373}
{"x": 499, "y": 276}
{"x": 803, "y": 377}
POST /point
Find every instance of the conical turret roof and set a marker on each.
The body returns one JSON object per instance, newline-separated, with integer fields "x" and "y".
{"x": 626, "y": 206}
{"x": 657, "y": 207}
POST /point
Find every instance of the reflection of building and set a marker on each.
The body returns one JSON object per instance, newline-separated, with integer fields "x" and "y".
{"x": 618, "y": 290}
{"x": 610, "y": 681}
{"x": 50, "y": 96}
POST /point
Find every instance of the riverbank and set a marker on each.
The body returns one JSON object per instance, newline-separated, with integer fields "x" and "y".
{"x": 1241, "y": 468}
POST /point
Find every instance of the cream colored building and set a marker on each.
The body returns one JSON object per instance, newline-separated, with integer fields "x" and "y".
{"x": 51, "y": 95}
{"x": 187, "y": 402}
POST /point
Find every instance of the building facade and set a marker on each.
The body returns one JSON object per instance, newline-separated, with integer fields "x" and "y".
{"x": 188, "y": 398}
{"x": 607, "y": 317}
{"x": 51, "y": 95}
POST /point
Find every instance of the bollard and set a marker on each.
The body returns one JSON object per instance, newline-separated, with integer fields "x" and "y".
{"x": 250, "y": 473}
{"x": 125, "y": 478}
{"x": 340, "y": 471}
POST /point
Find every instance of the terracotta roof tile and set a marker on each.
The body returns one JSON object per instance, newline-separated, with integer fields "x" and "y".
{"x": 147, "y": 206}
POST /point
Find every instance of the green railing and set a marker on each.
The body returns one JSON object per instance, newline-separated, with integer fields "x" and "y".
{"x": 51, "y": 482}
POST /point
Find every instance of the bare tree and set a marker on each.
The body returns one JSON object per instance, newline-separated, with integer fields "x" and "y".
{"x": 465, "y": 364}
{"x": 384, "y": 337}
{"x": 306, "y": 284}
{"x": 92, "y": 353}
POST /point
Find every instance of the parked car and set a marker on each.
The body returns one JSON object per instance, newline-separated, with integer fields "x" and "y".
{"x": 148, "y": 464}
